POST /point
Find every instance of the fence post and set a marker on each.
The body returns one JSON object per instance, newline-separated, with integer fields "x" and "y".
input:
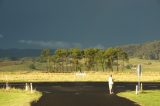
{"x": 31, "y": 87}
{"x": 141, "y": 87}
{"x": 26, "y": 87}
{"x": 136, "y": 89}
{"x": 7, "y": 86}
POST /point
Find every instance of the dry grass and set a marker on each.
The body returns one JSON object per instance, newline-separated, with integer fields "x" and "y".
{"x": 90, "y": 76}
{"x": 19, "y": 73}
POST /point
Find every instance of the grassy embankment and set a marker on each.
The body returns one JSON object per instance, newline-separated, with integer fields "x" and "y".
{"x": 146, "y": 98}
{"x": 17, "y": 97}
{"x": 21, "y": 72}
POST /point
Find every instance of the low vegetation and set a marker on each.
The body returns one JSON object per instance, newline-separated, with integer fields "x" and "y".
{"x": 36, "y": 71}
{"x": 146, "y": 98}
{"x": 17, "y": 97}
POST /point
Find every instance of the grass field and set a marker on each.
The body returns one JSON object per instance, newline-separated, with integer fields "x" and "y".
{"x": 146, "y": 98}
{"x": 90, "y": 76}
{"x": 16, "y": 72}
{"x": 17, "y": 97}
{"x": 11, "y": 66}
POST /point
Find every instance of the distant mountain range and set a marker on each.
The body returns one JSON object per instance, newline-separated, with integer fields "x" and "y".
{"x": 18, "y": 53}
{"x": 147, "y": 50}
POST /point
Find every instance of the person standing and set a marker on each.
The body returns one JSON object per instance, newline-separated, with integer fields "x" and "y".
{"x": 110, "y": 83}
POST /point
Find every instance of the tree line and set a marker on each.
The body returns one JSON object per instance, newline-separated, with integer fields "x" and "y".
{"x": 88, "y": 59}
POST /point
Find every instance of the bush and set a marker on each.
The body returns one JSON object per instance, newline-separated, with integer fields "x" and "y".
{"x": 32, "y": 66}
{"x": 128, "y": 66}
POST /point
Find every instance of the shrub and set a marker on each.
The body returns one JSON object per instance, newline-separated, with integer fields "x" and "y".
{"x": 32, "y": 66}
{"x": 128, "y": 66}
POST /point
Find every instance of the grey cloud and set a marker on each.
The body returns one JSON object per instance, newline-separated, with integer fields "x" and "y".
{"x": 51, "y": 44}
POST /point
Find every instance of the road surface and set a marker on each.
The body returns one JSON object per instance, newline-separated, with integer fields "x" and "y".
{"x": 83, "y": 93}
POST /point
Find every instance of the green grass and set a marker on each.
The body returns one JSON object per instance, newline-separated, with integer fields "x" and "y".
{"x": 17, "y": 97}
{"x": 146, "y": 98}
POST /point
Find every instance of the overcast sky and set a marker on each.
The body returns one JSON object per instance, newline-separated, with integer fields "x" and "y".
{"x": 77, "y": 23}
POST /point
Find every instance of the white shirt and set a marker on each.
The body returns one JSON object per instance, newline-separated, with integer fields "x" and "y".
{"x": 110, "y": 80}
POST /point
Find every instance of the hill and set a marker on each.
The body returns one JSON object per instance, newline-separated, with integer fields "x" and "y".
{"x": 147, "y": 50}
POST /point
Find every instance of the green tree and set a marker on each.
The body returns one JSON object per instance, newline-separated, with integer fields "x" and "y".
{"x": 90, "y": 54}
{"x": 100, "y": 57}
{"x": 124, "y": 57}
{"x": 62, "y": 56}
{"x": 76, "y": 55}
{"x": 109, "y": 55}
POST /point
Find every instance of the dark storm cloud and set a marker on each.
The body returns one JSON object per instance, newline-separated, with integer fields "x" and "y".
{"x": 1, "y": 36}
{"x": 1, "y": 2}
{"x": 77, "y": 23}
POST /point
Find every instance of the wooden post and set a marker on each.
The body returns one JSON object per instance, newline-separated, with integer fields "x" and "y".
{"x": 26, "y": 87}
{"x": 31, "y": 87}
{"x": 7, "y": 86}
{"x": 141, "y": 87}
{"x": 136, "y": 89}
